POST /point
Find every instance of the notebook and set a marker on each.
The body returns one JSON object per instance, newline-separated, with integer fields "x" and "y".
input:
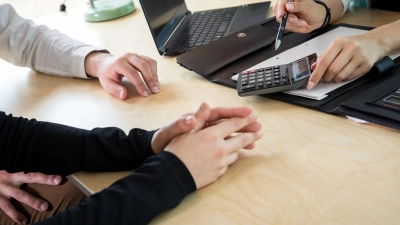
{"x": 176, "y": 30}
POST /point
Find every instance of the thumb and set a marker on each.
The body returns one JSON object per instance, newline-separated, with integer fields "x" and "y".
{"x": 114, "y": 88}
{"x": 201, "y": 115}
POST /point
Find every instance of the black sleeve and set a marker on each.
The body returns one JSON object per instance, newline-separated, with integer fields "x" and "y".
{"x": 158, "y": 185}
{"x": 32, "y": 146}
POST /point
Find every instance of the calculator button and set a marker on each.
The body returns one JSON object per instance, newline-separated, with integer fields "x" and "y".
{"x": 277, "y": 77}
{"x": 277, "y": 81}
{"x": 283, "y": 75}
{"x": 244, "y": 83}
{"x": 248, "y": 86}
{"x": 268, "y": 78}
{"x": 253, "y": 71}
{"x": 252, "y": 81}
{"x": 260, "y": 84}
{"x": 269, "y": 83}
{"x": 245, "y": 72}
{"x": 260, "y": 77}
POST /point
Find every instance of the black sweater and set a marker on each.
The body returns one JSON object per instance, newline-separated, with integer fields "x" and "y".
{"x": 158, "y": 183}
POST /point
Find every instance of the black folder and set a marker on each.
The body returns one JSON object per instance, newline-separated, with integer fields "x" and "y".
{"x": 364, "y": 98}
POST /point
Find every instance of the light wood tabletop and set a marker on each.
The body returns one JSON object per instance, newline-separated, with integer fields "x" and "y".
{"x": 309, "y": 168}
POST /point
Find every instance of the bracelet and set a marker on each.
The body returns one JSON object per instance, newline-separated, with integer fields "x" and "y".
{"x": 327, "y": 19}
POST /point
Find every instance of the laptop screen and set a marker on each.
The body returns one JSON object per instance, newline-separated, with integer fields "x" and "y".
{"x": 163, "y": 16}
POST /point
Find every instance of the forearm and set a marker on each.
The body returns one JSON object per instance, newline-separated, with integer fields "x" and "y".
{"x": 27, "y": 44}
{"x": 158, "y": 185}
{"x": 32, "y": 146}
{"x": 387, "y": 36}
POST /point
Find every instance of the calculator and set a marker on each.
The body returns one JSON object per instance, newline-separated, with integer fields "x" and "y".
{"x": 275, "y": 78}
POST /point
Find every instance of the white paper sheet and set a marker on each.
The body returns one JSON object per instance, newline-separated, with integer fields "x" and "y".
{"x": 316, "y": 45}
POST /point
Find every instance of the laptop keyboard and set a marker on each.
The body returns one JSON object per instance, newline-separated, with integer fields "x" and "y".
{"x": 205, "y": 27}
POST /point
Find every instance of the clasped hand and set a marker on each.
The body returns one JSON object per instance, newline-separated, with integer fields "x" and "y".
{"x": 205, "y": 141}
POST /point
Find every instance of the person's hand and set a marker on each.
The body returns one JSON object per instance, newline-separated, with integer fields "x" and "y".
{"x": 208, "y": 152}
{"x": 346, "y": 58}
{"x": 203, "y": 117}
{"x": 10, "y": 184}
{"x": 139, "y": 69}
{"x": 304, "y": 15}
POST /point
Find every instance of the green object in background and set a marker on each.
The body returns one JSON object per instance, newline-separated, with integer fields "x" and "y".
{"x": 360, "y": 3}
{"x": 102, "y": 10}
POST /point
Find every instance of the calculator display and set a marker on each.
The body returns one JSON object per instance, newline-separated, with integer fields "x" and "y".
{"x": 393, "y": 99}
{"x": 300, "y": 69}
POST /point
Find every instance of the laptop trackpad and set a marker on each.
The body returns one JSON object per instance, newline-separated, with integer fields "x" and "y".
{"x": 248, "y": 15}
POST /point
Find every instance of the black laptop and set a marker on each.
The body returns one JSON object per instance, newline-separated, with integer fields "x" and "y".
{"x": 176, "y": 30}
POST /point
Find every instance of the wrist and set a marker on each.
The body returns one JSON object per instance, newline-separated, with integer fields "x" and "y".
{"x": 325, "y": 15}
{"x": 321, "y": 14}
{"x": 93, "y": 62}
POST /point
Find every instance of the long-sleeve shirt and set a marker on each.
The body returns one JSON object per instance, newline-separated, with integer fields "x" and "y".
{"x": 158, "y": 183}
{"x": 24, "y": 43}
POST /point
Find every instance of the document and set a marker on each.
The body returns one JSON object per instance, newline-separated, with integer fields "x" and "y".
{"x": 316, "y": 45}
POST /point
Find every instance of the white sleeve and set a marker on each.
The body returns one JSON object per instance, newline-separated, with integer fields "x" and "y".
{"x": 24, "y": 43}
{"x": 346, "y": 4}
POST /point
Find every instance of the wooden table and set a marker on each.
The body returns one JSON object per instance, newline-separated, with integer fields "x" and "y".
{"x": 309, "y": 168}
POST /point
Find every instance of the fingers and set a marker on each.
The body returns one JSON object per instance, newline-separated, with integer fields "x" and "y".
{"x": 279, "y": 9}
{"x": 148, "y": 68}
{"x": 12, "y": 190}
{"x": 243, "y": 140}
{"x": 231, "y": 158}
{"x": 323, "y": 63}
{"x": 38, "y": 178}
{"x": 202, "y": 115}
{"x": 9, "y": 209}
{"x": 248, "y": 147}
{"x": 226, "y": 113}
{"x": 114, "y": 87}
{"x": 232, "y": 125}
{"x": 345, "y": 68}
{"x": 206, "y": 115}
{"x": 27, "y": 199}
{"x": 164, "y": 135}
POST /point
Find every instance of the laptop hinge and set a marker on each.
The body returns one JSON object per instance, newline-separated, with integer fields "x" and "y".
{"x": 173, "y": 32}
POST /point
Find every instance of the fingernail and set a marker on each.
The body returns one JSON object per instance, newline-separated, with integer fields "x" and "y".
{"x": 289, "y": 6}
{"x": 202, "y": 106}
{"x": 24, "y": 221}
{"x": 43, "y": 206}
{"x": 156, "y": 89}
{"x": 57, "y": 180}
{"x": 310, "y": 85}
{"x": 260, "y": 134}
{"x": 188, "y": 120}
{"x": 253, "y": 116}
{"x": 121, "y": 94}
{"x": 145, "y": 93}
{"x": 279, "y": 13}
